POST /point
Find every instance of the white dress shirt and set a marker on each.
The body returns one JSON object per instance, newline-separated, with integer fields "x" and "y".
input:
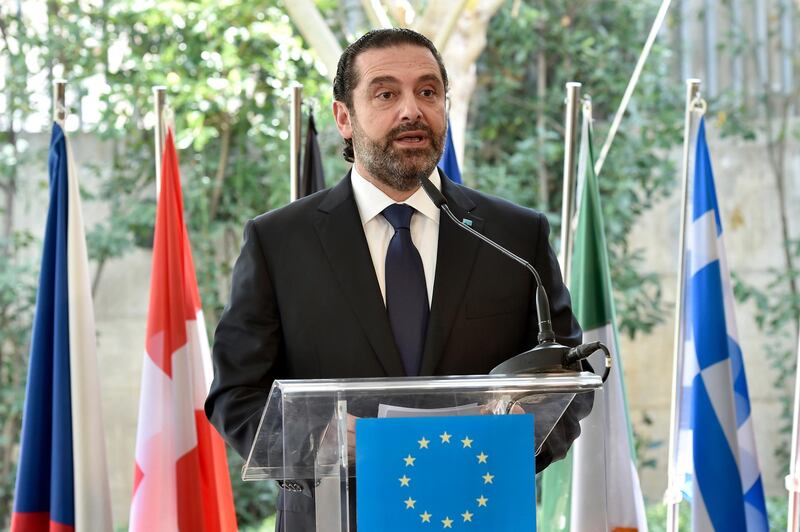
{"x": 424, "y": 226}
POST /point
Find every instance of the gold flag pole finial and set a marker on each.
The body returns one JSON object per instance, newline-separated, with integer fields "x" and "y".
{"x": 160, "y": 102}
{"x": 59, "y": 101}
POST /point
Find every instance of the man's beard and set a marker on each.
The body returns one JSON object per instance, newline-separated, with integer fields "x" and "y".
{"x": 400, "y": 168}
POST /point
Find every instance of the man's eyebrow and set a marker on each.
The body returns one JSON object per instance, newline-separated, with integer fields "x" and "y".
{"x": 393, "y": 80}
{"x": 429, "y": 78}
{"x": 383, "y": 79}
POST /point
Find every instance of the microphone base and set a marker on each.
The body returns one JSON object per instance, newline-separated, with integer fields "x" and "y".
{"x": 547, "y": 357}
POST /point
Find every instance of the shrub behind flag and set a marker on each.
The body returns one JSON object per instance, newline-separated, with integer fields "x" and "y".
{"x": 434, "y": 473}
{"x": 181, "y": 477}
{"x": 717, "y": 458}
{"x": 62, "y": 476}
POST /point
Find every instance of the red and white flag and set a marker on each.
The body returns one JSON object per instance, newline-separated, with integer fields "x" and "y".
{"x": 181, "y": 479}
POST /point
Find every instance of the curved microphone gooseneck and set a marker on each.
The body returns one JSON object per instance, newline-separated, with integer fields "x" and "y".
{"x": 548, "y": 355}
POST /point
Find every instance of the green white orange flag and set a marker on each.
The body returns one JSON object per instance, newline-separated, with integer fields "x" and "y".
{"x": 597, "y": 483}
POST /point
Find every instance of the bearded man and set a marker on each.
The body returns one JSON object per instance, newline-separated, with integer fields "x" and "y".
{"x": 365, "y": 279}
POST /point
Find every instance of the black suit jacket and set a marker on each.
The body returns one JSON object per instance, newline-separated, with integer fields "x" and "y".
{"x": 305, "y": 302}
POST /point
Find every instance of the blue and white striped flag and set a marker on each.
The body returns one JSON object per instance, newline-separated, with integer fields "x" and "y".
{"x": 717, "y": 459}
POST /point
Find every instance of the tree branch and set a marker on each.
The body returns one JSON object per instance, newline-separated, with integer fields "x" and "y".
{"x": 315, "y": 31}
{"x": 216, "y": 193}
{"x": 376, "y": 14}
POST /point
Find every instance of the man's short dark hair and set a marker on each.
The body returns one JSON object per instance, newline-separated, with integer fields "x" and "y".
{"x": 347, "y": 77}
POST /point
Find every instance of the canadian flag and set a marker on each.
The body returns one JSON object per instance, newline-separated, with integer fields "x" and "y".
{"x": 181, "y": 479}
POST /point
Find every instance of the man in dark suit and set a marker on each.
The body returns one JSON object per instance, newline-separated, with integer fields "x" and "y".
{"x": 316, "y": 292}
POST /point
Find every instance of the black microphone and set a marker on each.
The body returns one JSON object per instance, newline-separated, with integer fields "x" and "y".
{"x": 548, "y": 355}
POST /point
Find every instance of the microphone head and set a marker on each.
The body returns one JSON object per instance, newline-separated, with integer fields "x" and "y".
{"x": 433, "y": 193}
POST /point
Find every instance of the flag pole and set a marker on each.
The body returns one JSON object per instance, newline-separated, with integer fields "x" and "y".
{"x": 583, "y": 158}
{"x": 160, "y": 97}
{"x": 295, "y": 118}
{"x": 637, "y": 71}
{"x": 673, "y": 497}
{"x": 570, "y": 125}
{"x": 793, "y": 478}
{"x": 59, "y": 101}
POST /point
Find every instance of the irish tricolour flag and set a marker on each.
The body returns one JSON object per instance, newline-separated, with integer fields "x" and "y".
{"x": 596, "y": 488}
{"x": 181, "y": 478}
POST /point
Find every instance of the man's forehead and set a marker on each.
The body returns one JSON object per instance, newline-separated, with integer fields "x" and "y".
{"x": 401, "y": 61}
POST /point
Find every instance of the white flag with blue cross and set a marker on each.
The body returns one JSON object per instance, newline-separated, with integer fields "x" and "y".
{"x": 716, "y": 449}
{"x": 438, "y": 473}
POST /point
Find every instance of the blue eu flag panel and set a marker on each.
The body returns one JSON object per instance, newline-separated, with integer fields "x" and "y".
{"x": 469, "y": 473}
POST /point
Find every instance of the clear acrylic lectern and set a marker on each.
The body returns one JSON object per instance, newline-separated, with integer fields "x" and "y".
{"x": 303, "y": 431}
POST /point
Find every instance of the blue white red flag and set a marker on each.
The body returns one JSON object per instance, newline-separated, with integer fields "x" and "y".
{"x": 62, "y": 476}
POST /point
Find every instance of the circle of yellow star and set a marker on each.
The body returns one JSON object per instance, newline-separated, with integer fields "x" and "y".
{"x": 410, "y": 503}
{"x": 404, "y": 480}
{"x": 445, "y": 437}
{"x": 423, "y": 443}
{"x": 482, "y": 501}
{"x": 482, "y": 458}
{"x": 447, "y": 523}
{"x": 409, "y": 460}
{"x": 487, "y": 478}
{"x": 467, "y": 442}
{"x": 467, "y": 516}
{"x": 425, "y": 516}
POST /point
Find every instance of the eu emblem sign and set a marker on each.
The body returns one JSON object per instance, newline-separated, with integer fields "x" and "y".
{"x": 469, "y": 473}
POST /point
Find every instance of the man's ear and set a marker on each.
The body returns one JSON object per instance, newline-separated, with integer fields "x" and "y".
{"x": 342, "y": 116}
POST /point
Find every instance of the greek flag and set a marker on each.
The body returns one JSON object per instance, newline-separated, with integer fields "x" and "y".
{"x": 716, "y": 449}
{"x": 454, "y": 472}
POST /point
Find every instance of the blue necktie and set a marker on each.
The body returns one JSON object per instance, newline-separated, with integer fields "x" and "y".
{"x": 406, "y": 293}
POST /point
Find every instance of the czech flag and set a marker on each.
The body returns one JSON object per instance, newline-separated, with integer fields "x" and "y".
{"x": 181, "y": 479}
{"x": 62, "y": 477}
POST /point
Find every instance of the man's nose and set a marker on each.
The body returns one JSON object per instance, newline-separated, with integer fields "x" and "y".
{"x": 409, "y": 109}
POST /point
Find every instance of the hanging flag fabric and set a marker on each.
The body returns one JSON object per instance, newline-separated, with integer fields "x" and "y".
{"x": 717, "y": 458}
{"x": 312, "y": 176}
{"x": 590, "y": 488}
{"x": 456, "y": 472}
{"x": 449, "y": 161}
{"x": 181, "y": 479}
{"x": 62, "y": 476}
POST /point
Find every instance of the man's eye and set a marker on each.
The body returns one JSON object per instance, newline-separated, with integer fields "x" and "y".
{"x": 385, "y": 95}
{"x": 428, "y": 93}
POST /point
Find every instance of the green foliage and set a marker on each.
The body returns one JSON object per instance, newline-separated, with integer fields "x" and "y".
{"x": 777, "y": 515}
{"x": 657, "y": 517}
{"x": 769, "y": 118}
{"x": 227, "y": 68}
{"x": 585, "y": 42}
{"x": 777, "y": 316}
{"x": 254, "y": 501}
{"x": 17, "y": 300}
{"x": 17, "y": 267}
{"x": 644, "y": 445}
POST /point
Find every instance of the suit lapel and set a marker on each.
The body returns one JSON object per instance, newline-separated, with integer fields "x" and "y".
{"x": 455, "y": 260}
{"x": 339, "y": 228}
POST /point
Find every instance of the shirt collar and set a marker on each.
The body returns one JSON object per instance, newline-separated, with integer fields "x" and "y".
{"x": 371, "y": 200}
